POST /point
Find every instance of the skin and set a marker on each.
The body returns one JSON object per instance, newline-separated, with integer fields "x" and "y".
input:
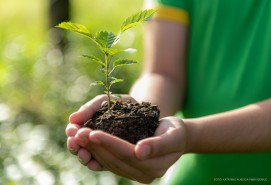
{"x": 246, "y": 129}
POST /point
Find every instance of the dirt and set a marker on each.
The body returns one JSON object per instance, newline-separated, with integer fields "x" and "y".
{"x": 129, "y": 121}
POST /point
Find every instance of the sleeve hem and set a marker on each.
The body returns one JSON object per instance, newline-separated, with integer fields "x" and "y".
{"x": 171, "y": 14}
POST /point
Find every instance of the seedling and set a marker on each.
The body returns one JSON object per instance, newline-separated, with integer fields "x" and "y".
{"x": 106, "y": 41}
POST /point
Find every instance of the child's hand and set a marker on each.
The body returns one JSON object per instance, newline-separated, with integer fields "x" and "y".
{"x": 148, "y": 159}
{"x": 77, "y": 119}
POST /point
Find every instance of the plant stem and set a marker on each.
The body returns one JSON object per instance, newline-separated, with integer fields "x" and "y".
{"x": 107, "y": 83}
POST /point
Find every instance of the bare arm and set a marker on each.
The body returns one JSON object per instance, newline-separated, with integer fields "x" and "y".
{"x": 163, "y": 79}
{"x": 246, "y": 129}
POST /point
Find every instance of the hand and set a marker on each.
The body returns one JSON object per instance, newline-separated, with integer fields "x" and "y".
{"x": 78, "y": 118}
{"x": 148, "y": 159}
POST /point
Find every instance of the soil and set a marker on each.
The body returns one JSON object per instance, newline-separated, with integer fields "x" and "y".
{"x": 129, "y": 121}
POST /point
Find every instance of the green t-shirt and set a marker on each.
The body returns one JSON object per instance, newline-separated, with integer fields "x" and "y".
{"x": 229, "y": 66}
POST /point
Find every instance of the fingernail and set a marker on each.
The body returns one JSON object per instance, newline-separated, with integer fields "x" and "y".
{"x": 82, "y": 161}
{"x": 73, "y": 151}
{"x": 146, "y": 151}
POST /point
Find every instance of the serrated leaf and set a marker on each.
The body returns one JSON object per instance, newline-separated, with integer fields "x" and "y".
{"x": 98, "y": 83}
{"x": 123, "y": 62}
{"x": 137, "y": 19}
{"x": 79, "y": 28}
{"x": 95, "y": 59}
{"x": 106, "y": 39}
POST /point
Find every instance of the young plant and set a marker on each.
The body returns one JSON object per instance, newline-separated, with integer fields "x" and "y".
{"x": 106, "y": 41}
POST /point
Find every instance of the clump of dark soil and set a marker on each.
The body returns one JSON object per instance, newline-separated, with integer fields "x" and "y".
{"x": 129, "y": 121}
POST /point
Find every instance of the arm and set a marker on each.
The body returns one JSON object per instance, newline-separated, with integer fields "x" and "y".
{"x": 246, "y": 129}
{"x": 163, "y": 79}
{"x": 242, "y": 130}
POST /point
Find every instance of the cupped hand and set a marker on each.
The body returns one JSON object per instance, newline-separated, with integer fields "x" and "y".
{"x": 148, "y": 159}
{"x": 78, "y": 118}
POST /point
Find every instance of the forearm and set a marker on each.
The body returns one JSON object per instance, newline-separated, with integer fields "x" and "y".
{"x": 247, "y": 129}
{"x": 163, "y": 78}
{"x": 159, "y": 90}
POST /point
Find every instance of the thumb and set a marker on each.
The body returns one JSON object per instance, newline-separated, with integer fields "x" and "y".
{"x": 173, "y": 140}
{"x": 81, "y": 116}
{"x": 87, "y": 110}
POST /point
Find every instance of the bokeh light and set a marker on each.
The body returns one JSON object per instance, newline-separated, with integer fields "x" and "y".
{"x": 42, "y": 83}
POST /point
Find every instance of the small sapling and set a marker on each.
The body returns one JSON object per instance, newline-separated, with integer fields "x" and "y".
{"x": 127, "y": 120}
{"x": 105, "y": 41}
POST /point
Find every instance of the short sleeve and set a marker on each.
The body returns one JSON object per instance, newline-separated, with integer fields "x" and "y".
{"x": 171, "y": 10}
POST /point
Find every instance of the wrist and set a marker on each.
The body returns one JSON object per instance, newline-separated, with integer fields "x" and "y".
{"x": 182, "y": 134}
{"x": 191, "y": 130}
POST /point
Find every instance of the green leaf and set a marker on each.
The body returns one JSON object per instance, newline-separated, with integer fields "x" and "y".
{"x": 95, "y": 59}
{"x": 106, "y": 39}
{"x": 107, "y": 92}
{"x": 116, "y": 80}
{"x": 113, "y": 100}
{"x": 137, "y": 19}
{"x": 79, "y": 28}
{"x": 123, "y": 62}
{"x": 113, "y": 52}
{"x": 98, "y": 83}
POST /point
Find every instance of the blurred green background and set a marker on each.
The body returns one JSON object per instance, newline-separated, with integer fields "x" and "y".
{"x": 43, "y": 80}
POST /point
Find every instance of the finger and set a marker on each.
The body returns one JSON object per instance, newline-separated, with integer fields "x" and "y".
{"x": 72, "y": 129}
{"x": 86, "y": 111}
{"x": 117, "y": 147}
{"x": 172, "y": 141}
{"x": 95, "y": 166}
{"x": 81, "y": 136}
{"x": 123, "y": 150}
{"x": 110, "y": 162}
{"x": 84, "y": 156}
{"x": 117, "y": 156}
{"x": 72, "y": 146}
